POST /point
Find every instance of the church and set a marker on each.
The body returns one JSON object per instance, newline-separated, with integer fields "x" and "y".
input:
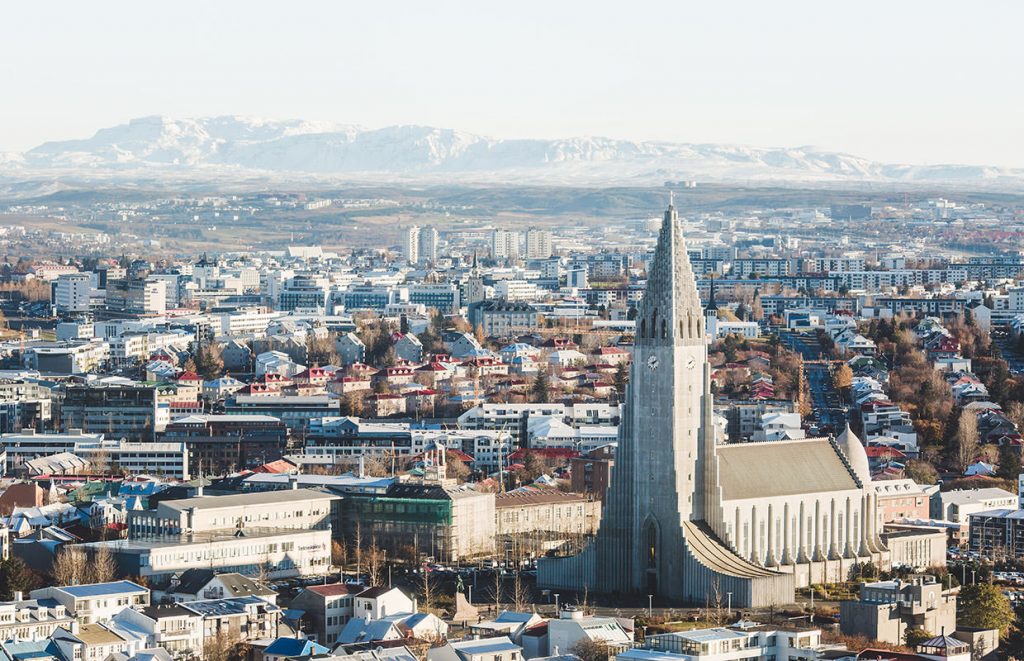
{"x": 686, "y": 517}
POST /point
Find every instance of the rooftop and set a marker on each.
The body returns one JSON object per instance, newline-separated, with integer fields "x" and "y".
{"x": 101, "y": 589}
{"x": 251, "y": 498}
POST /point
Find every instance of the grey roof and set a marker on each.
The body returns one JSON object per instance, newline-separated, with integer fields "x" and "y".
{"x": 101, "y": 589}
{"x": 964, "y": 496}
{"x": 250, "y": 498}
{"x": 781, "y": 468}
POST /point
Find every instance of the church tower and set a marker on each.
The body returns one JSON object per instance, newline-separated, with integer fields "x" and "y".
{"x": 665, "y": 434}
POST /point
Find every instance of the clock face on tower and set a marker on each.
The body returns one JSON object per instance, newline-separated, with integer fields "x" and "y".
{"x": 652, "y": 363}
{"x": 690, "y": 363}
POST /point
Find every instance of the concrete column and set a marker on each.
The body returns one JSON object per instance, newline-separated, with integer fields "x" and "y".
{"x": 737, "y": 533}
{"x": 817, "y": 555}
{"x": 770, "y": 560}
{"x": 801, "y": 542}
{"x": 754, "y": 538}
{"x": 849, "y": 550}
{"x": 833, "y": 531}
{"x": 864, "y": 549}
{"x": 787, "y": 532}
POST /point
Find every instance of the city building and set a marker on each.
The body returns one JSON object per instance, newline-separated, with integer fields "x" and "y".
{"x": 95, "y": 602}
{"x": 538, "y": 243}
{"x": 885, "y": 610}
{"x": 133, "y": 412}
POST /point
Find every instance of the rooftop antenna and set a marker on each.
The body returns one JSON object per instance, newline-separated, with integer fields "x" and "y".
{"x": 671, "y": 199}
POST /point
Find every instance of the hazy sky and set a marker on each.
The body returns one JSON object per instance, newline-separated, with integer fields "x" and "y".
{"x": 907, "y": 81}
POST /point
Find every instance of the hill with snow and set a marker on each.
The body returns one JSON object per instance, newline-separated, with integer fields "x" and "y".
{"x": 222, "y": 146}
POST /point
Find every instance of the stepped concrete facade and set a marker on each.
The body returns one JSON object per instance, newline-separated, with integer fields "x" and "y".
{"x": 687, "y": 518}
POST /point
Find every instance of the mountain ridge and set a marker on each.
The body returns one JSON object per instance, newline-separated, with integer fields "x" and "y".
{"x": 294, "y": 147}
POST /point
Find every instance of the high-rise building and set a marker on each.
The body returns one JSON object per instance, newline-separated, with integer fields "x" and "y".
{"x": 427, "y": 245}
{"x": 538, "y": 244}
{"x": 686, "y": 517}
{"x": 504, "y": 244}
{"x": 412, "y": 244}
{"x": 73, "y": 292}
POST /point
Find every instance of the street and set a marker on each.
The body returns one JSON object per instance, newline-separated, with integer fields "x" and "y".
{"x": 826, "y": 406}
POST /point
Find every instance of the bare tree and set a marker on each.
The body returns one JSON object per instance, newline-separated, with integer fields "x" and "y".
{"x": 359, "y": 548}
{"x": 339, "y": 555}
{"x": 103, "y": 568}
{"x": 591, "y": 650}
{"x": 496, "y": 590}
{"x": 520, "y": 593}
{"x": 427, "y": 596}
{"x": 70, "y": 566}
{"x": 375, "y": 563}
{"x": 966, "y": 440}
{"x": 221, "y": 647}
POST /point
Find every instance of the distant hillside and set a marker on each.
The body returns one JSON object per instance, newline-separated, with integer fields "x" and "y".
{"x": 239, "y": 146}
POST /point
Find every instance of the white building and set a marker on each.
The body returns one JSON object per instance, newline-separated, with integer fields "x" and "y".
{"x": 505, "y": 244}
{"x": 96, "y": 602}
{"x": 73, "y": 293}
{"x": 516, "y": 290}
{"x": 27, "y": 445}
{"x": 538, "y": 244}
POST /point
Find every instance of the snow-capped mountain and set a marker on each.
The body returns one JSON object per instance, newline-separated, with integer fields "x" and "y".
{"x": 226, "y": 144}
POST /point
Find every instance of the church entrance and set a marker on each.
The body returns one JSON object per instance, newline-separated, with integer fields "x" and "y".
{"x": 651, "y": 546}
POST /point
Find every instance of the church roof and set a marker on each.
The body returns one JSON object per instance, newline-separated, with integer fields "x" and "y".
{"x": 781, "y": 468}
{"x": 714, "y": 555}
{"x": 671, "y": 296}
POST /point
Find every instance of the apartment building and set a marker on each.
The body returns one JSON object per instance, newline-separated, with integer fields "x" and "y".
{"x": 95, "y": 602}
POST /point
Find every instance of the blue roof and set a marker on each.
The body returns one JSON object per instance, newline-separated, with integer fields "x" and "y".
{"x": 100, "y": 589}
{"x": 294, "y": 647}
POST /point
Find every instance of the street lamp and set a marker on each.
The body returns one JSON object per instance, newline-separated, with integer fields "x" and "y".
{"x": 650, "y": 606}
{"x": 973, "y": 572}
{"x": 556, "y": 605}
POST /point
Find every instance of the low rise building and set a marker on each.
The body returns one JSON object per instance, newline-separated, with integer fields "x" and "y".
{"x": 885, "y": 610}
{"x": 96, "y": 602}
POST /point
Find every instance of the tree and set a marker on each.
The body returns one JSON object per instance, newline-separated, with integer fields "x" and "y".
{"x": 339, "y": 555}
{"x": 1009, "y": 462}
{"x": 984, "y": 606}
{"x": 520, "y": 593}
{"x": 455, "y": 468}
{"x": 843, "y": 378}
{"x": 915, "y": 636}
{"x": 428, "y": 595}
{"x": 15, "y": 576}
{"x": 70, "y": 566}
{"x": 621, "y": 378}
{"x": 533, "y": 466}
{"x": 210, "y": 360}
{"x": 922, "y": 472}
{"x": 966, "y": 440}
{"x": 589, "y": 649}
{"x": 541, "y": 388}
{"x": 375, "y": 563}
{"x": 103, "y": 568}
{"x": 321, "y": 351}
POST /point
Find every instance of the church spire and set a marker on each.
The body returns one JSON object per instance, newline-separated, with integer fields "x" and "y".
{"x": 671, "y": 308}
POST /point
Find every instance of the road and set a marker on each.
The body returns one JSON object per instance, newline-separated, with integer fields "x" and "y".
{"x": 825, "y": 402}
{"x": 1007, "y": 346}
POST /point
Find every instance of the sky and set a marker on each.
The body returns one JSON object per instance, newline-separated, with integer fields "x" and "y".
{"x": 899, "y": 81}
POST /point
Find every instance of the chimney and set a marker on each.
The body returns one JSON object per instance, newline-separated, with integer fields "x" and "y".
{"x": 18, "y": 595}
{"x": 293, "y": 482}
